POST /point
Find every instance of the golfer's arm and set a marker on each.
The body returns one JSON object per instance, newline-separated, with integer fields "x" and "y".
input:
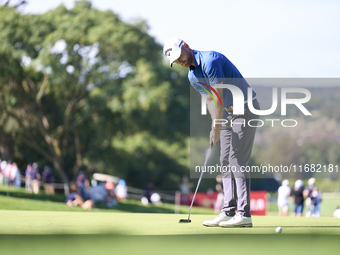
{"x": 215, "y": 110}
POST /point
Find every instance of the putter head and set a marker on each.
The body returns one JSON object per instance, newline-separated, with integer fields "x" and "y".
{"x": 184, "y": 221}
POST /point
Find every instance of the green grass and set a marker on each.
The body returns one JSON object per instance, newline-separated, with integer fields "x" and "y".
{"x": 38, "y": 232}
{"x": 45, "y": 223}
{"x": 170, "y": 245}
{"x": 19, "y": 199}
{"x": 41, "y": 224}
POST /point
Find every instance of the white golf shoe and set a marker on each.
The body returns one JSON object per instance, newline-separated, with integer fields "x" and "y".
{"x": 238, "y": 221}
{"x": 215, "y": 222}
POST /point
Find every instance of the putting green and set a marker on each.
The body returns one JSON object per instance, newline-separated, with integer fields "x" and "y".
{"x": 45, "y": 223}
{"x": 46, "y": 232}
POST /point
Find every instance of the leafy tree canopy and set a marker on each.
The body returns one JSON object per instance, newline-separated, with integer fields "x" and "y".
{"x": 81, "y": 89}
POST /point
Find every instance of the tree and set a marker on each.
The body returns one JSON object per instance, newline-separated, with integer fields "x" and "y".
{"x": 83, "y": 89}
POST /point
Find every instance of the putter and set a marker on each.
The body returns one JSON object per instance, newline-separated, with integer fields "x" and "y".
{"x": 198, "y": 184}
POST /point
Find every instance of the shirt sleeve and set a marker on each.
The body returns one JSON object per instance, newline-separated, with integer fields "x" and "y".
{"x": 196, "y": 84}
{"x": 199, "y": 87}
{"x": 214, "y": 71}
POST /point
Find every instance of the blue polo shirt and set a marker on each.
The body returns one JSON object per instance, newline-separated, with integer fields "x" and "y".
{"x": 213, "y": 68}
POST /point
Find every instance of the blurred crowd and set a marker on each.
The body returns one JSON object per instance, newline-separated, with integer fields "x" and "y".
{"x": 87, "y": 195}
{"x": 82, "y": 192}
{"x": 308, "y": 198}
{"x": 10, "y": 175}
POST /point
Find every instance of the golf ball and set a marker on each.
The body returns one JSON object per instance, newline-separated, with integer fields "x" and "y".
{"x": 278, "y": 230}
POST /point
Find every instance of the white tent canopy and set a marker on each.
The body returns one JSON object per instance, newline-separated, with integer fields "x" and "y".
{"x": 106, "y": 178}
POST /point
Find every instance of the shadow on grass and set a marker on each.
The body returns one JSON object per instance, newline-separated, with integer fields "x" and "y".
{"x": 167, "y": 245}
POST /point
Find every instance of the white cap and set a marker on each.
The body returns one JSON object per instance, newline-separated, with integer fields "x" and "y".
{"x": 298, "y": 184}
{"x": 172, "y": 49}
{"x": 155, "y": 198}
{"x": 285, "y": 182}
{"x": 311, "y": 181}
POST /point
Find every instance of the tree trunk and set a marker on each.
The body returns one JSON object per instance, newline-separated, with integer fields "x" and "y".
{"x": 58, "y": 166}
{"x": 6, "y": 146}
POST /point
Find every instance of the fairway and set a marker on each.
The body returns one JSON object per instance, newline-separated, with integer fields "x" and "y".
{"x": 45, "y": 223}
{"x": 35, "y": 232}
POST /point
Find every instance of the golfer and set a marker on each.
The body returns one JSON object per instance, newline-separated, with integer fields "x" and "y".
{"x": 206, "y": 69}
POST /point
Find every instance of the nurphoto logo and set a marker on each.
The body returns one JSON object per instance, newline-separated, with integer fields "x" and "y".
{"x": 239, "y": 104}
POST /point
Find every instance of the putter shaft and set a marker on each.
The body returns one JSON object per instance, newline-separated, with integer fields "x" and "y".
{"x": 199, "y": 180}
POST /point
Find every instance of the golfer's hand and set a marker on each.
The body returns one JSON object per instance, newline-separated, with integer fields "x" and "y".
{"x": 215, "y": 135}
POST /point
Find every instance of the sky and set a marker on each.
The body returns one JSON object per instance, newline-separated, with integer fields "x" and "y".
{"x": 263, "y": 38}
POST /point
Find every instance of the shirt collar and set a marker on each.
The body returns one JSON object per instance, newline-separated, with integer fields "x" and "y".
{"x": 197, "y": 60}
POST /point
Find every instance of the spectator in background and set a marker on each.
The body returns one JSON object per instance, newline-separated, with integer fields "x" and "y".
{"x": 220, "y": 196}
{"x": 83, "y": 185}
{"x": 315, "y": 202}
{"x": 12, "y": 174}
{"x": 336, "y": 213}
{"x": 111, "y": 194}
{"x": 7, "y": 172}
{"x": 148, "y": 191}
{"x": 307, "y": 193}
{"x": 28, "y": 180}
{"x": 3, "y": 165}
{"x": 48, "y": 179}
{"x": 283, "y": 194}
{"x": 15, "y": 176}
{"x": 299, "y": 199}
{"x": 121, "y": 190}
{"x": 146, "y": 198}
{"x": 88, "y": 204}
{"x": 156, "y": 199}
{"x": 35, "y": 178}
{"x": 101, "y": 193}
{"x": 74, "y": 199}
{"x": 185, "y": 190}
{"x": 98, "y": 193}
